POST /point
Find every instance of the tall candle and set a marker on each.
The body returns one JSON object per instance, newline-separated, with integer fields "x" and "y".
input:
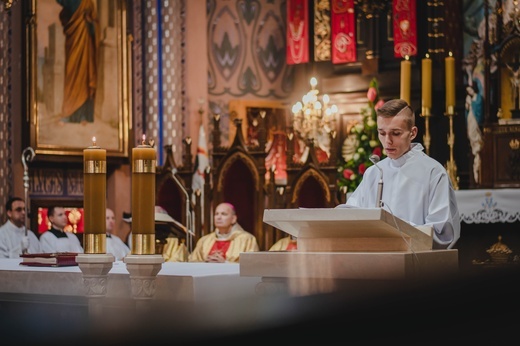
{"x": 94, "y": 198}
{"x": 426, "y": 86}
{"x": 450, "y": 83}
{"x": 406, "y": 73}
{"x": 143, "y": 198}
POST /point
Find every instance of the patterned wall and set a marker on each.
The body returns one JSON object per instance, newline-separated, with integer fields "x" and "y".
{"x": 246, "y": 48}
{"x": 163, "y": 75}
{"x": 6, "y": 188}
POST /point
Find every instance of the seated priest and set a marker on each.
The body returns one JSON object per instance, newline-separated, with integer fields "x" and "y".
{"x": 57, "y": 239}
{"x": 115, "y": 245}
{"x": 285, "y": 244}
{"x": 170, "y": 236}
{"x": 227, "y": 241}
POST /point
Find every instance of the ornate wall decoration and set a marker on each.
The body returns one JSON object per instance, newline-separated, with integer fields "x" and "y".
{"x": 5, "y": 110}
{"x": 246, "y": 54}
{"x": 322, "y": 30}
{"x": 163, "y": 76}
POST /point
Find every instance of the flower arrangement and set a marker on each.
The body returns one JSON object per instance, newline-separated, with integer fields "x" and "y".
{"x": 361, "y": 143}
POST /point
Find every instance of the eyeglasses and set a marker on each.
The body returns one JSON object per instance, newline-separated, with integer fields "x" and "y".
{"x": 19, "y": 209}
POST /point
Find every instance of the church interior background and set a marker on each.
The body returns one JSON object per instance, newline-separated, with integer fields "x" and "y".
{"x": 214, "y": 83}
{"x": 171, "y": 68}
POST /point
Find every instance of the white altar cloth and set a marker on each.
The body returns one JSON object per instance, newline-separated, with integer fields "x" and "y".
{"x": 488, "y": 206}
{"x": 183, "y": 282}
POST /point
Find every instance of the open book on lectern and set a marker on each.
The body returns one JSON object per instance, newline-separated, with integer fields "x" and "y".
{"x": 349, "y": 229}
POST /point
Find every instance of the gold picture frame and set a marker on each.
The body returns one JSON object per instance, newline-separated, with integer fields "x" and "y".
{"x": 78, "y": 76}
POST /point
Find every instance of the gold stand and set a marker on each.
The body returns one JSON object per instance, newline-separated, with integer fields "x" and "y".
{"x": 451, "y": 166}
{"x": 425, "y": 113}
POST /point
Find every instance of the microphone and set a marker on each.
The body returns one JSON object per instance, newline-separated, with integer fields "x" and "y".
{"x": 379, "y": 201}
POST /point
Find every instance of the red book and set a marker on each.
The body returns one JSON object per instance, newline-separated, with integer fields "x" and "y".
{"x": 55, "y": 259}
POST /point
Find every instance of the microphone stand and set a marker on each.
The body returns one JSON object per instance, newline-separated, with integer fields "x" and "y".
{"x": 379, "y": 201}
{"x": 27, "y": 156}
{"x": 189, "y": 214}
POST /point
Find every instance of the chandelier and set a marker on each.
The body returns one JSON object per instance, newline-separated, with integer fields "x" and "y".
{"x": 314, "y": 117}
{"x": 8, "y": 4}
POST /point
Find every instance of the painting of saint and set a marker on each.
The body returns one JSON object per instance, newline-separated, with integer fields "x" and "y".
{"x": 80, "y": 76}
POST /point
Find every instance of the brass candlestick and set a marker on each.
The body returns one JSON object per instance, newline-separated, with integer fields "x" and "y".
{"x": 451, "y": 166}
{"x": 425, "y": 113}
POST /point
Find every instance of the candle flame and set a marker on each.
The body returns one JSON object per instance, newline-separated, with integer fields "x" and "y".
{"x": 407, "y": 57}
{"x": 94, "y": 141}
{"x": 450, "y": 54}
{"x": 427, "y": 56}
{"x": 144, "y": 139}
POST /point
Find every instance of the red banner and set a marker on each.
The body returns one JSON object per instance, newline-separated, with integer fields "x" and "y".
{"x": 343, "y": 31}
{"x": 297, "y": 32}
{"x": 405, "y": 28}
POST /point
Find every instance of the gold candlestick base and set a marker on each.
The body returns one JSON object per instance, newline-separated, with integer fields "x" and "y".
{"x": 94, "y": 243}
{"x": 143, "y": 244}
{"x": 425, "y": 113}
{"x": 451, "y": 166}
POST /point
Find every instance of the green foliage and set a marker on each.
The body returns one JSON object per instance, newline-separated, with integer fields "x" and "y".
{"x": 361, "y": 143}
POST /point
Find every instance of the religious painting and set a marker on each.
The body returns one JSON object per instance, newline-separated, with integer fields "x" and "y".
{"x": 78, "y": 79}
{"x": 275, "y": 114}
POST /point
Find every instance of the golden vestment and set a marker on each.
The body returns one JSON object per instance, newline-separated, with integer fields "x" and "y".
{"x": 175, "y": 251}
{"x": 281, "y": 245}
{"x": 241, "y": 241}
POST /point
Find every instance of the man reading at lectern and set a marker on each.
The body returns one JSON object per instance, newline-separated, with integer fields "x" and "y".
{"x": 416, "y": 187}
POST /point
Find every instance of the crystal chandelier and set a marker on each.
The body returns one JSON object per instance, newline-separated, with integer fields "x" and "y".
{"x": 8, "y": 4}
{"x": 312, "y": 117}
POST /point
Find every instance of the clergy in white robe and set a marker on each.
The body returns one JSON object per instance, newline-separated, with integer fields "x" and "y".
{"x": 114, "y": 244}
{"x": 416, "y": 187}
{"x": 12, "y": 233}
{"x": 57, "y": 239}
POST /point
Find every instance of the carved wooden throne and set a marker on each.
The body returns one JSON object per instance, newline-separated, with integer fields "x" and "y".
{"x": 238, "y": 178}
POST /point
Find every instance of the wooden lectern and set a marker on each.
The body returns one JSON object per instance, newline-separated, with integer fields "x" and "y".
{"x": 344, "y": 244}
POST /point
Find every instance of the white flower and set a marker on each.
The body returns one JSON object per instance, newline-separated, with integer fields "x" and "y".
{"x": 356, "y": 156}
{"x": 361, "y": 150}
{"x": 371, "y": 122}
{"x": 359, "y": 128}
{"x": 364, "y": 137}
{"x": 353, "y": 176}
{"x": 373, "y": 143}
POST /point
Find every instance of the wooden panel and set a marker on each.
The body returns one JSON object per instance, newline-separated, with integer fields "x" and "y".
{"x": 501, "y": 156}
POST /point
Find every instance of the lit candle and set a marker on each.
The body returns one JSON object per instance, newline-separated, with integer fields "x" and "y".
{"x": 94, "y": 198}
{"x": 406, "y": 73}
{"x": 143, "y": 199}
{"x": 426, "y": 83}
{"x": 450, "y": 83}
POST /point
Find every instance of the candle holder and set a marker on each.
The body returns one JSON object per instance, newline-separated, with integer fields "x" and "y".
{"x": 451, "y": 166}
{"x": 425, "y": 113}
{"x": 143, "y": 271}
{"x": 95, "y": 268}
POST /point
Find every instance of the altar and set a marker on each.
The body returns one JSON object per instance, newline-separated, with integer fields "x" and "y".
{"x": 189, "y": 283}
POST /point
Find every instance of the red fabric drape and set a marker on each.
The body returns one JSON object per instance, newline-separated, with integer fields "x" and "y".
{"x": 297, "y": 32}
{"x": 405, "y": 28}
{"x": 343, "y": 31}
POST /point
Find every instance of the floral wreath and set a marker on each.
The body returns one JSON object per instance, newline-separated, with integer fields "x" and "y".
{"x": 361, "y": 143}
